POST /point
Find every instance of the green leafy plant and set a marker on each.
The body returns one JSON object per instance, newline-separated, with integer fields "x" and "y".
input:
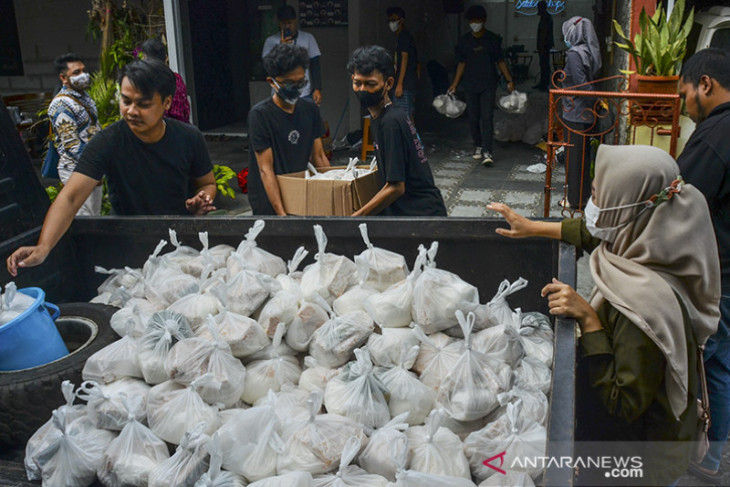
{"x": 52, "y": 191}
{"x": 104, "y": 92}
{"x": 223, "y": 174}
{"x": 659, "y": 47}
{"x": 106, "y": 206}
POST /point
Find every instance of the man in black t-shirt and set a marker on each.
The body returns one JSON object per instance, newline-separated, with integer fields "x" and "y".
{"x": 153, "y": 165}
{"x": 284, "y": 131}
{"x": 406, "y": 62}
{"x": 408, "y": 187}
{"x": 479, "y": 54}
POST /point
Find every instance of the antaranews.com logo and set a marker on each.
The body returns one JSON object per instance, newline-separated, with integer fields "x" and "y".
{"x": 613, "y": 467}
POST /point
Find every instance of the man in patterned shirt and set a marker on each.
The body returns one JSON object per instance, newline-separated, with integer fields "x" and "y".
{"x": 75, "y": 121}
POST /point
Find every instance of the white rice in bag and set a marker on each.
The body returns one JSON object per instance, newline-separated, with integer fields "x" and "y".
{"x": 436, "y": 450}
{"x": 407, "y": 393}
{"x": 379, "y": 268}
{"x": 331, "y": 275}
{"x": 270, "y": 374}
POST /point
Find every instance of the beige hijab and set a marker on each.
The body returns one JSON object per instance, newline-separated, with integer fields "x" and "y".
{"x": 667, "y": 251}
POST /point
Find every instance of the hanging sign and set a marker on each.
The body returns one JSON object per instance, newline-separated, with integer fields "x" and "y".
{"x": 529, "y": 7}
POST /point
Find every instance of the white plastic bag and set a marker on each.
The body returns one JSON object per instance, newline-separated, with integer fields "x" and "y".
{"x": 164, "y": 329}
{"x": 378, "y": 456}
{"x": 350, "y": 475}
{"x": 105, "y": 403}
{"x": 501, "y": 342}
{"x": 215, "y": 477}
{"x": 436, "y": 450}
{"x": 281, "y": 308}
{"x": 192, "y": 358}
{"x": 379, "y": 268}
{"x": 270, "y": 374}
{"x": 352, "y": 299}
{"x": 289, "y": 404}
{"x": 315, "y": 445}
{"x": 439, "y": 354}
{"x": 498, "y": 311}
{"x": 537, "y": 337}
{"x": 74, "y": 453}
{"x": 291, "y": 282}
{"x": 385, "y": 348}
{"x": 187, "y": 464}
{"x": 255, "y": 257}
{"x": 470, "y": 389}
{"x": 407, "y": 393}
{"x": 130, "y": 279}
{"x": 48, "y": 433}
{"x": 534, "y": 402}
{"x": 13, "y": 303}
{"x": 392, "y": 307}
{"x": 358, "y": 394}
{"x": 172, "y": 409}
{"x": 248, "y": 289}
{"x": 250, "y": 442}
{"x": 197, "y": 305}
{"x": 315, "y": 376}
{"x": 515, "y": 102}
{"x": 292, "y": 479}
{"x": 206, "y": 257}
{"x": 116, "y": 360}
{"x": 131, "y": 456}
{"x": 241, "y": 333}
{"x": 449, "y": 105}
{"x": 533, "y": 372}
{"x": 133, "y": 318}
{"x": 438, "y": 294}
{"x": 309, "y": 317}
{"x": 331, "y": 275}
{"x": 517, "y": 436}
{"x": 334, "y": 342}
{"x": 168, "y": 284}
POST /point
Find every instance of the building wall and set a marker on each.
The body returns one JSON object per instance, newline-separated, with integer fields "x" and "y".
{"x": 48, "y": 28}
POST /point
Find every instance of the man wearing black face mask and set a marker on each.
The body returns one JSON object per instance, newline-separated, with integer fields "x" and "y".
{"x": 408, "y": 187}
{"x": 284, "y": 131}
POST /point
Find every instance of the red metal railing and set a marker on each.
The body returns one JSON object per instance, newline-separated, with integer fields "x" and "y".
{"x": 610, "y": 113}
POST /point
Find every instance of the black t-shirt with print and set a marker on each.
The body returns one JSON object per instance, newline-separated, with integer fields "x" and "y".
{"x": 290, "y": 136}
{"x": 147, "y": 179}
{"x": 481, "y": 55}
{"x": 405, "y": 43}
{"x": 402, "y": 157}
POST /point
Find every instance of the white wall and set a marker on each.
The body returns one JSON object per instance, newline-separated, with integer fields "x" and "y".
{"x": 47, "y": 29}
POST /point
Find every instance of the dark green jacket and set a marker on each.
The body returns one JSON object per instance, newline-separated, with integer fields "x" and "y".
{"x": 622, "y": 395}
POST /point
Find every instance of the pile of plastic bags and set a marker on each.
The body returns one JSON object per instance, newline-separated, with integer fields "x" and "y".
{"x": 234, "y": 368}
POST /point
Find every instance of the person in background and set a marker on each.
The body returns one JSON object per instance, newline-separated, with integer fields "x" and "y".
{"x": 479, "y": 53}
{"x": 153, "y": 165}
{"x": 285, "y": 130}
{"x": 290, "y": 34}
{"x": 582, "y": 63}
{"x": 655, "y": 266}
{"x": 704, "y": 85}
{"x": 544, "y": 44}
{"x": 406, "y": 62}
{"x": 408, "y": 187}
{"x": 180, "y": 106}
{"x": 74, "y": 120}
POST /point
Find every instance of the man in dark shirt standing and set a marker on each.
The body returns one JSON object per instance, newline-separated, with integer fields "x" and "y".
{"x": 408, "y": 187}
{"x": 479, "y": 53}
{"x": 154, "y": 166}
{"x": 284, "y": 131}
{"x": 544, "y": 44}
{"x": 704, "y": 84}
{"x": 406, "y": 62}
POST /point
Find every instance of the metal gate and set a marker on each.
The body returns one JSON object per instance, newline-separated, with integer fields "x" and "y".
{"x": 608, "y": 117}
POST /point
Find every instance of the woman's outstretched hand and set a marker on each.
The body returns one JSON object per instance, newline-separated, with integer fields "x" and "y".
{"x": 520, "y": 227}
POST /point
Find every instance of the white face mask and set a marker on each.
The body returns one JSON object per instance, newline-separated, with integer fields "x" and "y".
{"x": 476, "y": 26}
{"x": 591, "y": 213}
{"x": 80, "y": 81}
{"x": 394, "y": 25}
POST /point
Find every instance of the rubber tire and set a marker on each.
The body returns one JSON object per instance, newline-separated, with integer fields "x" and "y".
{"x": 27, "y": 397}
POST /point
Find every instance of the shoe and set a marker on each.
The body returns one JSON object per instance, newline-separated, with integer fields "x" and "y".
{"x": 704, "y": 474}
{"x": 477, "y": 154}
{"x": 487, "y": 159}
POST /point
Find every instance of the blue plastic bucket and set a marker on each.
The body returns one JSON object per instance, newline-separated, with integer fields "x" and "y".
{"x": 32, "y": 338}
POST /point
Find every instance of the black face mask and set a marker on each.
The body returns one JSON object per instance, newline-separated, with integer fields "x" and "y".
{"x": 290, "y": 92}
{"x": 369, "y": 100}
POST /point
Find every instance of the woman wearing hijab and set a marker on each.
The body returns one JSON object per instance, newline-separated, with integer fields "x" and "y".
{"x": 180, "y": 106}
{"x": 654, "y": 262}
{"x": 582, "y": 64}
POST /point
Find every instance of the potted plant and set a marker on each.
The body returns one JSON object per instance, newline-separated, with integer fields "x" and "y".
{"x": 659, "y": 47}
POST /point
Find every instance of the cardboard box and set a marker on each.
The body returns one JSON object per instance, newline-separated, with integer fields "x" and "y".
{"x": 322, "y": 197}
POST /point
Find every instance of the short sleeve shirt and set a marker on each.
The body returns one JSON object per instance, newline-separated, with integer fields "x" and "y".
{"x": 290, "y": 136}
{"x": 405, "y": 43}
{"x": 303, "y": 39}
{"x": 147, "y": 179}
{"x": 480, "y": 55}
{"x": 402, "y": 158}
